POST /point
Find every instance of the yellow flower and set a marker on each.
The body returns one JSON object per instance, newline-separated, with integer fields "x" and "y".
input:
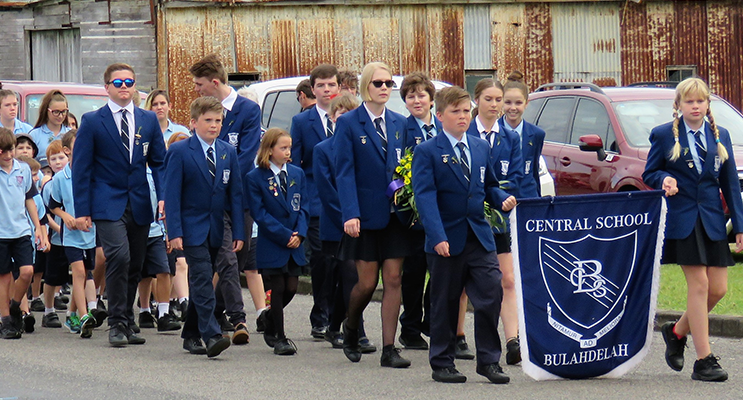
{"x": 398, "y": 170}
{"x": 407, "y": 180}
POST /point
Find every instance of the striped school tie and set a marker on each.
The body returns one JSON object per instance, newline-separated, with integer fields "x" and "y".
{"x": 329, "y": 129}
{"x": 125, "y": 129}
{"x": 210, "y": 162}
{"x": 429, "y": 130}
{"x": 382, "y": 136}
{"x": 701, "y": 149}
{"x": 463, "y": 161}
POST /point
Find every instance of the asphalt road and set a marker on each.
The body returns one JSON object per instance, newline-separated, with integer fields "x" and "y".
{"x": 54, "y": 364}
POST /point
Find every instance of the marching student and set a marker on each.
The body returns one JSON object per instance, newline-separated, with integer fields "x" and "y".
{"x": 159, "y": 102}
{"x": 277, "y": 196}
{"x": 9, "y": 113}
{"x": 515, "y": 99}
{"x": 307, "y": 130}
{"x": 242, "y": 129}
{"x": 331, "y": 230}
{"x": 15, "y": 235}
{"x": 79, "y": 246}
{"x": 452, "y": 178}
{"x": 691, "y": 159}
{"x": 508, "y": 166}
{"x": 418, "y": 92}
{"x": 368, "y": 149}
{"x": 203, "y": 176}
{"x": 114, "y": 146}
{"x": 177, "y": 260}
{"x": 51, "y": 124}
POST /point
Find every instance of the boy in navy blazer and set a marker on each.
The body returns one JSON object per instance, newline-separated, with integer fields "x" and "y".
{"x": 308, "y": 129}
{"x": 203, "y": 176}
{"x": 241, "y": 128}
{"x": 114, "y": 146}
{"x": 452, "y": 178}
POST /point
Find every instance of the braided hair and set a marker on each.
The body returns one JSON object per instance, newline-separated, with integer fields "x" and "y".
{"x": 690, "y": 87}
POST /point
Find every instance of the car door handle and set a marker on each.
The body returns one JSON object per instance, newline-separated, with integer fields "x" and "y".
{"x": 565, "y": 161}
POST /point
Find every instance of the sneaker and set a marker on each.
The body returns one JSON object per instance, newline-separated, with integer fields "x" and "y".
{"x": 146, "y": 320}
{"x": 260, "y": 327}
{"x": 59, "y": 304}
{"x": 365, "y": 345}
{"x": 241, "y": 335}
{"x": 65, "y": 289}
{"x": 72, "y": 323}
{"x": 51, "y": 321}
{"x": 462, "y": 350}
{"x": 708, "y": 369}
{"x": 37, "y": 305}
{"x": 318, "y": 332}
{"x": 8, "y": 331}
{"x": 334, "y": 338}
{"x": 168, "y": 323}
{"x": 513, "y": 351}
{"x": 87, "y": 323}
{"x": 28, "y": 322}
{"x": 101, "y": 305}
{"x": 100, "y": 315}
{"x": 391, "y": 358}
{"x": 173, "y": 305}
{"x": 674, "y": 346}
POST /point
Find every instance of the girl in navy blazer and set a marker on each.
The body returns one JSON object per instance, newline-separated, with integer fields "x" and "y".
{"x": 278, "y": 203}
{"x": 515, "y": 100}
{"x": 369, "y": 145}
{"x": 691, "y": 159}
{"x": 508, "y": 165}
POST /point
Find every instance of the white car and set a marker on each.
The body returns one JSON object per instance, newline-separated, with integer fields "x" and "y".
{"x": 278, "y": 101}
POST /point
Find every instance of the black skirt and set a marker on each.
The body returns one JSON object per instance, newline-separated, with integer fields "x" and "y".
{"x": 697, "y": 249}
{"x": 393, "y": 241}
{"x": 502, "y": 242}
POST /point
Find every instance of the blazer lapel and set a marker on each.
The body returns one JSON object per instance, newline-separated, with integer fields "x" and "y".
{"x": 448, "y": 155}
{"x": 371, "y": 131}
{"x": 198, "y": 155}
{"x": 316, "y": 124}
{"x": 270, "y": 177}
{"x": 476, "y": 163}
{"x": 709, "y": 161}
{"x": 107, "y": 118}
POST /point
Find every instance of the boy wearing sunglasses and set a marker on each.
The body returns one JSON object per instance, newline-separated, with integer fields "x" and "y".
{"x": 114, "y": 146}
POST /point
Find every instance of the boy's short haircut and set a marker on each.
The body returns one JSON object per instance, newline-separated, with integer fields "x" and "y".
{"x": 116, "y": 67}
{"x": 306, "y": 88}
{"x": 54, "y": 148}
{"x": 348, "y": 78}
{"x": 209, "y": 67}
{"x": 7, "y": 139}
{"x": 205, "y": 104}
{"x": 68, "y": 138}
{"x": 5, "y": 93}
{"x": 26, "y": 138}
{"x": 323, "y": 71}
{"x": 415, "y": 81}
{"x": 33, "y": 164}
{"x": 452, "y": 95}
{"x": 345, "y": 101}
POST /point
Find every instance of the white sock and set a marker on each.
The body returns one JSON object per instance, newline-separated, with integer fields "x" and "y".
{"x": 258, "y": 312}
{"x": 92, "y": 305}
{"x": 68, "y": 313}
{"x": 48, "y": 311}
{"x": 144, "y": 310}
{"x": 182, "y": 299}
{"x": 162, "y": 309}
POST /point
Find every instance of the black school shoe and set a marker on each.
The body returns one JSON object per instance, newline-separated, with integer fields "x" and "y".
{"x": 100, "y": 315}
{"x": 413, "y": 342}
{"x": 334, "y": 338}
{"x": 351, "y": 343}
{"x": 8, "y": 331}
{"x": 284, "y": 347}
{"x": 194, "y": 345}
{"x": 462, "y": 350}
{"x": 216, "y": 345}
{"x": 674, "y": 347}
{"x": 448, "y": 375}
{"x": 708, "y": 369}
{"x": 494, "y": 373}
{"x": 147, "y": 321}
{"x": 391, "y": 358}
{"x": 28, "y": 322}
{"x": 513, "y": 351}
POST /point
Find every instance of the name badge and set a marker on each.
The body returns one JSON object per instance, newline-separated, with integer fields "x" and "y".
{"x": 232, "y": 137}
{"x": 296, "y": 201}
{"x": 145, "y": 148}
{"x": 527, "y": 167}
{"x": 482, "y": 174}
{"x": 399, "y": 153}
{"x": 225, "y": 176}
{"x": 504, "y": 167}
{"x": 717, "y": 163}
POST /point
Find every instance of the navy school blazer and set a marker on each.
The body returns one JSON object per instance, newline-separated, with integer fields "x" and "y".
{"x": 447, "y": 203}
{"x": 699, "y": 194}
{"x": 194, "y": 202}
{"x": 278, "y": 216}
{"x": 531, "y": 149}
{"x": 331, "y": 226}
{"x": 364, "y": 170}
{"x": 241, "y": 128}
{"x": 103, "y": 179}
{"x": 505, "y": 158}
{"x": 414, "y": 135}
{"x": 307, "y": 131}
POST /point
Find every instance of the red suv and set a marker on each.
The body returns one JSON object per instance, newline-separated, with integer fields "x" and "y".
{"x": 597, "y": 139}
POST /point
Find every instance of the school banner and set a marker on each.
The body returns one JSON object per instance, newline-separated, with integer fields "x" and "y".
{"x": 587, "y": 270}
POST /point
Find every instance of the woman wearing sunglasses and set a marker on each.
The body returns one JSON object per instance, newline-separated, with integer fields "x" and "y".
{"x": 52, "y": 121}
{"x": 369, "y": 143}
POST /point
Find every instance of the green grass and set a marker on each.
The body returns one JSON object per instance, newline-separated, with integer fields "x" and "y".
{"x": 672, "y": 295}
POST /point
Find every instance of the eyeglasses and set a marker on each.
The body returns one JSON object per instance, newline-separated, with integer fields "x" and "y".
{"x": 118, "y": 82}
{"x": 57, "y": 113}
{"x": 389, "y": 84}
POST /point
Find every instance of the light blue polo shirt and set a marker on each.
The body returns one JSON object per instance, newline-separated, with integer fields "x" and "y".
{"x": 15, "y": 186}
{"x": 174, "y": 128}
{"x": 61, "y": 192}
{"x": 156, "y": 227}
{"x": 46, "y": 193}
{"x": 19, "y": 127}
{"x": 42, "y": 136}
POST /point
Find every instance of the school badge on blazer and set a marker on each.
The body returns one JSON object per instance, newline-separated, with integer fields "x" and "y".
{"x": 225, "y": 176}
{"x": 232, "y": 138}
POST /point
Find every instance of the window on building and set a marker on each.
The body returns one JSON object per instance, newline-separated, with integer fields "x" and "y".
{"x": 471, "y": 77}
{"x": 677, "y": 73}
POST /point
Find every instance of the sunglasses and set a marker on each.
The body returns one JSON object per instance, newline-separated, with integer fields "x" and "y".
{"x": 57, "y": 113}
{"x": 389, "y": 84}
{"x": 118, "y": 82}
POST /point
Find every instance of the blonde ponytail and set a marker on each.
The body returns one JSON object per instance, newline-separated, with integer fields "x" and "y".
{"x": 676, "y": 149}
{"x": 722, "y": 152}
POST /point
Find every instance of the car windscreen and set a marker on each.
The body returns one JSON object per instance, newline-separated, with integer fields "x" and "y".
{"x": 639, "y": 117}
{"x": 78, "y": 104}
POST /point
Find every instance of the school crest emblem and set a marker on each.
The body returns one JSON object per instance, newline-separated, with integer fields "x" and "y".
{"x": 527, "y": 167}
{"x": 232, "y": 138}
{"x": 504, "y": 167}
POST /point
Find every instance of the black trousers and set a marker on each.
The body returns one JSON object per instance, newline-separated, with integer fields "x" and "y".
{"x": 345, "y": 278}
{"x": 476, "y": 270}
{"x": 415, "y": 300}
{"x": 228, "y": 291}
{"x": 124, "y": 244}
{"x": 322, "y": 276}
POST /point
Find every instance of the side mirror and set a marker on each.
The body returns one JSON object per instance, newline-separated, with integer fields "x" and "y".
{"x": 593, "y": 143}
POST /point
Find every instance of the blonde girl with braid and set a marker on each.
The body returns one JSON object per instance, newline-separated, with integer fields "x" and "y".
{"x": 691, "y": 159}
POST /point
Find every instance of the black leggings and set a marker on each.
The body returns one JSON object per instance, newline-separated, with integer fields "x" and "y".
{"x": 283, "y": 288}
